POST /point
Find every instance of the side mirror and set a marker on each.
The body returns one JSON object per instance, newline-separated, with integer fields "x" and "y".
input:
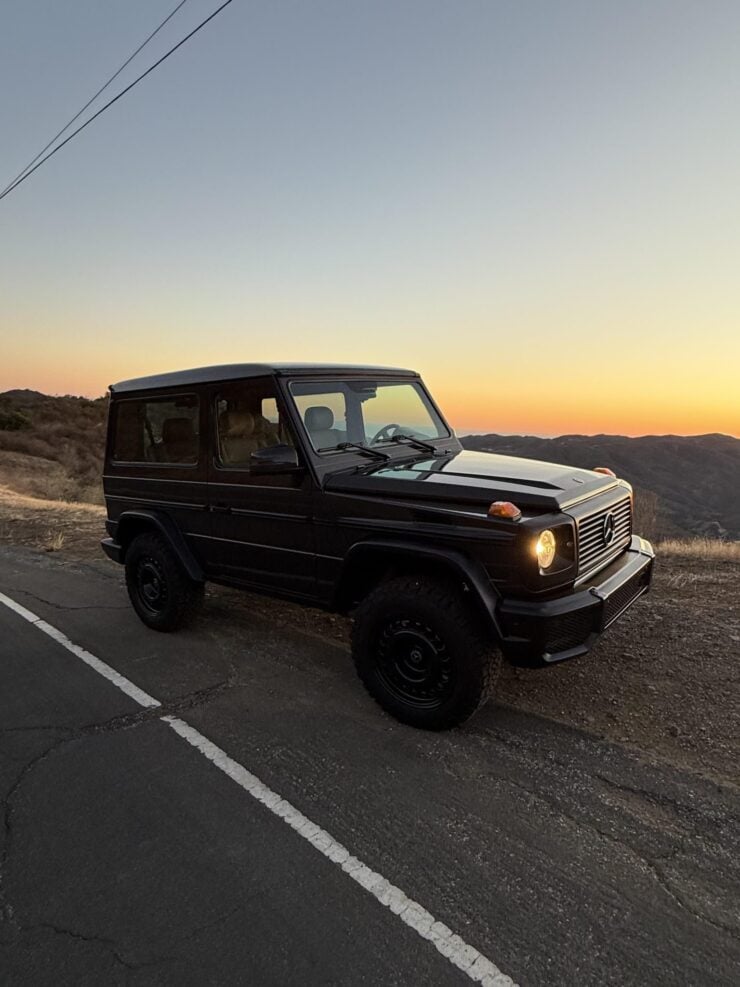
{"x": 274, "y": 459}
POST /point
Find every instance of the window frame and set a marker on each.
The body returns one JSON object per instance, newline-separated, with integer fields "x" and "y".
{"x": 283, "y": 412}
{"x": 415, "y": 383}
{"x": 151, "y": 398}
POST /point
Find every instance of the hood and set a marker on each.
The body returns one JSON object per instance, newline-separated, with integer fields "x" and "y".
{"x": 478, "y": 477}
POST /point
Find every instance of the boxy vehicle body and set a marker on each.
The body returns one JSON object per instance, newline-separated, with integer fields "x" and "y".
{"x": 343, "y": 487}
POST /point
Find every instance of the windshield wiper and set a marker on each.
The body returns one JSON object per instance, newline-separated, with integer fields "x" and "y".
{"x": 375, "y": 453}
{"x": 426, "y": 446}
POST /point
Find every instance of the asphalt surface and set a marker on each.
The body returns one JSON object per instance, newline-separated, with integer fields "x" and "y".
{"x": 126, "y": 857}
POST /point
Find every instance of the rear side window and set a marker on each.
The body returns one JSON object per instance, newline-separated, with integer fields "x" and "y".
{"x": 157, "y": 430}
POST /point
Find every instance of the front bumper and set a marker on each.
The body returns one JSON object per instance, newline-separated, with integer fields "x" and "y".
{"x": 542, "y": 632}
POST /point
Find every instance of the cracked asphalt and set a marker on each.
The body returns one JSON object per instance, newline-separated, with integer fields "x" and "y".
{"x": 127, "y": 858}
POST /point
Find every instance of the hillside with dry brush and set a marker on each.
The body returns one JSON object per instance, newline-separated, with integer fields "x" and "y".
{"x": 52, "y": 447}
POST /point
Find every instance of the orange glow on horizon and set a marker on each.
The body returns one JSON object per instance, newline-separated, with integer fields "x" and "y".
{"x": 511, "y": 412}
{"x": 687, "y": 392}
{"x": 556, "y": 419}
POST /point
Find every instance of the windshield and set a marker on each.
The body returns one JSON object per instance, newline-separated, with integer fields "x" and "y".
{"x": 366, "y": 412}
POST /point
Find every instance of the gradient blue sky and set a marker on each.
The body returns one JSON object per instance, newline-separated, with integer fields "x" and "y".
{"x": 535, "y": 204}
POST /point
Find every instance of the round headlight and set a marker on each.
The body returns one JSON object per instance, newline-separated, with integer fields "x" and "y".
{"x": 545, "y": 548}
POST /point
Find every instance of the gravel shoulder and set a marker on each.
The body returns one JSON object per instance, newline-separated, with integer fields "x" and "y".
{"x": 665, "y": 680}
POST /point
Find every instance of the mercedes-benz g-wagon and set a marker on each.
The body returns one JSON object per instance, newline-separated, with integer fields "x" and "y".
{"x": 344, "y": 487}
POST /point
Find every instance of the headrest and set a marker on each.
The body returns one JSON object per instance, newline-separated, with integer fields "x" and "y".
{"x": 319, "y": 417}
{"x": 238, "y": 424}
{"x": 177, "y": 430}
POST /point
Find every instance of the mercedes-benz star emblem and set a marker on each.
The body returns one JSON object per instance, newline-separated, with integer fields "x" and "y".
{"x": 607, "y": 532}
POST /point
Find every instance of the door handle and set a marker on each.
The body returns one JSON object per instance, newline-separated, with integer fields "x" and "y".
{"x": 221, "y": 508}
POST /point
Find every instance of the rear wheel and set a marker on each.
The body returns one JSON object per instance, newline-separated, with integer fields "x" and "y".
{"x": 422, "y": 653}
{"x": 161, "y": 592}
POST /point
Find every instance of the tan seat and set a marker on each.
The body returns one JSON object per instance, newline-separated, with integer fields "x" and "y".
{"x": 265, "y": 432}
{"x": 237, "y": 437}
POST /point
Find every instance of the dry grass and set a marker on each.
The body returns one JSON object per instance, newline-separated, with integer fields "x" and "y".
{"x": 12, "y": 498}
{"x": 54, "y": 541}
{"x": 53, "y": 526}
{"x": 707, "y": 549}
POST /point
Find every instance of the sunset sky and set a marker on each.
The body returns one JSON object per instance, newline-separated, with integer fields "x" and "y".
{"x": 537, "y": 205}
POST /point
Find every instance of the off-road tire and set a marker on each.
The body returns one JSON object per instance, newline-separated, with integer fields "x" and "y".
{"x": 149, "y": 557}
{"x": 439, "y": 614}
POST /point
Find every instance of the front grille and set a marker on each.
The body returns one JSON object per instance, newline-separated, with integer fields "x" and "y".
{"x": 621, "y": 598}
{"x": 592, "y": 548}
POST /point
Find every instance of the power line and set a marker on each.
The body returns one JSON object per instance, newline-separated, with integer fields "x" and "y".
{"x": 92, "y": 99}
{"x": 14, "y": 185}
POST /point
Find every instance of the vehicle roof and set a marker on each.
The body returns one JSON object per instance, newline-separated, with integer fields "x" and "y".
{"x": 237, "y": 371}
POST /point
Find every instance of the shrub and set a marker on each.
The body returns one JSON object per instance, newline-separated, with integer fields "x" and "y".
{"x": 13, "y": 421}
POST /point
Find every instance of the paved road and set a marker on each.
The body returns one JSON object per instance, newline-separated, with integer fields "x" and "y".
{"x": 127, "y": 857}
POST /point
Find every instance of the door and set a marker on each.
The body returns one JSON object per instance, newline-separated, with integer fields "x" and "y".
{"x": 158, "y": 459}
{"x": 262, "y": 531}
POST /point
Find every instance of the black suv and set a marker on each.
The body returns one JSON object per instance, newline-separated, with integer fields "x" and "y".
{"x": 343, "y": 487}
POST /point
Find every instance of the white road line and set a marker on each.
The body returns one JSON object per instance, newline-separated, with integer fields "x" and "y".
{"x": 451, "y": 946}
{"x": 466, "y": 958}
{"x": 124, "y": 684}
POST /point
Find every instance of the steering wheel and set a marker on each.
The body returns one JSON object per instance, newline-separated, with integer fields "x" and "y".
{"x": 385, "y": 432}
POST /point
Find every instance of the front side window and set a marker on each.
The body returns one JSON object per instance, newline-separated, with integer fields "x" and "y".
{"x": 247, "y": 419}
{"x": 364, "y": 412}
{"x": 157, "y": 430}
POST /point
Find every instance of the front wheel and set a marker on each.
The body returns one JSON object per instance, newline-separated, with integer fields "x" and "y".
{"x": 422, "y": 654}
{"x": 160, "y": 590}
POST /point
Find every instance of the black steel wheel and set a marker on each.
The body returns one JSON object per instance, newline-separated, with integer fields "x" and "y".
{"x": 422, "y": 653}
{"x": 151, "y": 585}
{"x": 414, "y": 663}
{"x": 161, "y": 592}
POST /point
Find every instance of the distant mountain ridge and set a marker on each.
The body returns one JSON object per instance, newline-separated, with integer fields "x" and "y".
{"x": 696, "y": 478}
{"x": 53, "y": 447}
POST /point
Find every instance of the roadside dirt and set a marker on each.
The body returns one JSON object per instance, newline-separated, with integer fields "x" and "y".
{"x": 51, "y": 525}
{"x": 664, "y": 680}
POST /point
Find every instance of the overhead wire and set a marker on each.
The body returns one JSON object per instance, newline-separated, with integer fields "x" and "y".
{"x": 27, "y": 174}
{"x": 102, "y": 89}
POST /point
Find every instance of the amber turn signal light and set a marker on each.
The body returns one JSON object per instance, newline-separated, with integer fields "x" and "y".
{"x": 605, "y": 470}
{"x": 504, "y": 508}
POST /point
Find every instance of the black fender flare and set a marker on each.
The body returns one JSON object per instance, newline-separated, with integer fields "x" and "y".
{"x": 471, "y": 572}
{"x": 164, "y": 526}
